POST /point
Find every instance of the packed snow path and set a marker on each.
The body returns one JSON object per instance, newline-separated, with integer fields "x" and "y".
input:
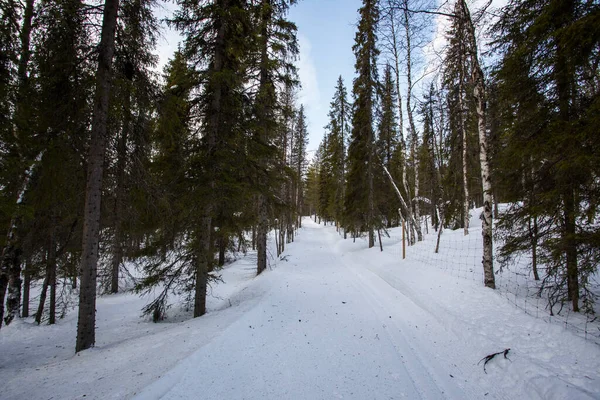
{"x": 326, "y": 329}
{"x": 332, "y": 319}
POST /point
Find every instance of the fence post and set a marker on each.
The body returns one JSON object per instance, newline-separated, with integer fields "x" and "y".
{"x": 403, "y": 240}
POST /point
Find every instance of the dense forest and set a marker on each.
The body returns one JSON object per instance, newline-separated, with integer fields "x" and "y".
{"x": 103, "y": 160}
{"x": 427, "y": 135}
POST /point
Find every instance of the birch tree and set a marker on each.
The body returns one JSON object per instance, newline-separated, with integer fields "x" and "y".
{"x": 479, "y": 94}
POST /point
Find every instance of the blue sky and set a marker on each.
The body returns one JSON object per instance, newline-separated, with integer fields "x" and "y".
{"x": 326, "y": 31}
{"x": 326, "y": 34}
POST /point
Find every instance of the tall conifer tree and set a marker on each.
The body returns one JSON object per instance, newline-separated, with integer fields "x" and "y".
{"x": 548, "y": 85}
{"x": 359, "y": 200}
{"x": 276, "y": 48}
{"x": 216, "y": 40}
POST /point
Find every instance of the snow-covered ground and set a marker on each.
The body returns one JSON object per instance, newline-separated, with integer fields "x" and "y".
{"x": 332, "y": 319}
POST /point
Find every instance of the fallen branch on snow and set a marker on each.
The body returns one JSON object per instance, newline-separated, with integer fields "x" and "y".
{"x": 489, "y": 358}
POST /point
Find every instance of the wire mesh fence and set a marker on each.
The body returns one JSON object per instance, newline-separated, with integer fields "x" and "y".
{"x": 460, "y": 255}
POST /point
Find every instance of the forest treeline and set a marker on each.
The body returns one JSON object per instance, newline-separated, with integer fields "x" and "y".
{"x": 427, "y": 135}
{"x": 103, "y": 160}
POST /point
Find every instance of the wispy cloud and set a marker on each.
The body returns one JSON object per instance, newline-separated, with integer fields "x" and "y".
{"x": 310, "y": 94}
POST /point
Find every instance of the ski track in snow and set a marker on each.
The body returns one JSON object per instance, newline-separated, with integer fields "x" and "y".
{"x": 334, "y": 320}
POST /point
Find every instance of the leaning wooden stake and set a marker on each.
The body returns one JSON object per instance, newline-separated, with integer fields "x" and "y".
{"x": 403, "y": 240}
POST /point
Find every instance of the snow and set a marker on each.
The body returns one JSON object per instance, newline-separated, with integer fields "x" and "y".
{"x": 332, "y": 319}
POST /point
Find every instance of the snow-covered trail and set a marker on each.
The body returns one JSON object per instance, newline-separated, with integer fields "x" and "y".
{"x": 326, "y": 329}
{"x": 332, "y": 319}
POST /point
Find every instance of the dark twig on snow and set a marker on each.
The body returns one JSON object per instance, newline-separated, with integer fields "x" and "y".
{"x": 489, "y": 358}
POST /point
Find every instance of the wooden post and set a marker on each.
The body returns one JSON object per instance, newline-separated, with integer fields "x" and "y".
{"x": 403, "y": 240}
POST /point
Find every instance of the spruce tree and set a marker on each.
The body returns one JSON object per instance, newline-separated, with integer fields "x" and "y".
{"x": 359, "y": 200}
{"x": 63, "y": 80}
{"x": 15, "y": 140}
{"x": 298, "y": 162}
{"x": 173, "y": 219}
{"x": 338, "y": 130}
{"x": 458, "y": 85}
{"x": 132, "y": 103}
{"x": 549, "y": 114}
{"x": 86, "y": 334}
{"x": 276, "y": 48}
{"x": 216, "y": 41}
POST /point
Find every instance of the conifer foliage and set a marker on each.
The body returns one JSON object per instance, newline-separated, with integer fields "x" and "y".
{"x": 359, "y": 200}
{"x": 549, "y": 99}
{"x": 106, "y": 164}
{"x": 161, "y": 152}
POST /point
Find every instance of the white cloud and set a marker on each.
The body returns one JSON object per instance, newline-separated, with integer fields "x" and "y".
{"x": 310, "y": 94}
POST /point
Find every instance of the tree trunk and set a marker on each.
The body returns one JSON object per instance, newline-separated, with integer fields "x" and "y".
{"x": 464, "y": 155}
{"x": 277, "y": 241}
{"x": 49, "y": 281}
{"x": 42, "y": 302}
{"x": 571, "y": 248}
{"x": 440, "y": 215}
{"x": 26, "y": 288}
{"x": 3, "y": 287}
{"x": 222, "y": 249}
{"x": 371, "y": 200}
{"x": 396, "y": 54}
{"x": 564, "y": 77}
{"x": 404, "y": 205}
{"x": 480, "y": 105}
{"x": 413, "y": 132}
{"x": 12, "y": 262}
{"x": 265, "y": 111}
{"x": 533, "y": 236}
{"x": 261, "y": 236}
{"x": 203, "y": 261}
{"x": 10, "y": 259}
{"x": 86, "y": 333}
{"x": 52, "y": 285}
{"x": 117, "y": 248}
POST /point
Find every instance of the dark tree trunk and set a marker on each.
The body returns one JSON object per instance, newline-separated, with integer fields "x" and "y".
{"x": 117, "y": 258}
{"x": 26, "y": 288}
{"x": 49, "y": 281}
{"x": 12, "y": 264}
{"x": 261, "y": 236}
{"x": 52, "y": 285}
{"x": 3, "y": 287}
{"x": 203, "y": 261}
{"x": 564, "y": 76}
{"x": 571, "y": 249}
{"x": 43, "y": 294}
{"x": 222, "y": 248}
{"x": 86, "y": 333}
{"x": 533, "y": 235}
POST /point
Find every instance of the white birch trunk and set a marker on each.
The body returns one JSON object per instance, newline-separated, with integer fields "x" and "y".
{"x": 479, "y": 94}
{"x": 464, "y": 156}
{"x": 403, "y": 203}
{"x": 411, "y": 122}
